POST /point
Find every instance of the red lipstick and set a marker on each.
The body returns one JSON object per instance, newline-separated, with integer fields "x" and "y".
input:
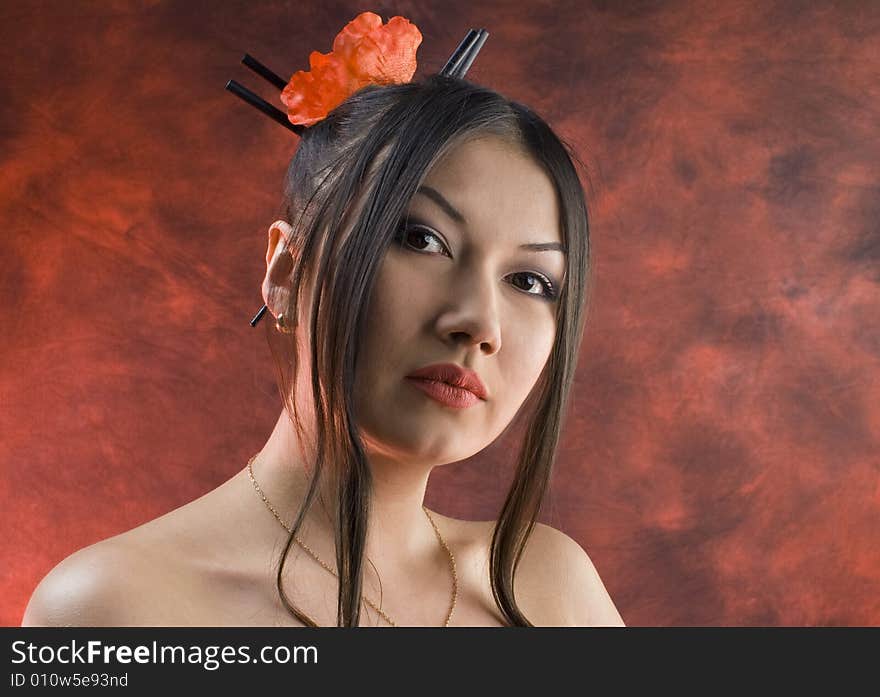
{"x": 450, "y": 384}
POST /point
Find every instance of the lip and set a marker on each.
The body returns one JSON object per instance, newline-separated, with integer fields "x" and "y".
{"x": 446, "y": 394}
{"x": 452, "y": 375}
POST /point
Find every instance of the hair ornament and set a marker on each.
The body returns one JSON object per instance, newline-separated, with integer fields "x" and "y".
{"x": 366, "y": 51}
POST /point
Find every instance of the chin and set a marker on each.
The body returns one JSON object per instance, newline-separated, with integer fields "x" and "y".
{"x": 424, "y": 444}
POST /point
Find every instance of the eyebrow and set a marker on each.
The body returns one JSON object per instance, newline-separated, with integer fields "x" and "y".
{"x": 456, "y": 215}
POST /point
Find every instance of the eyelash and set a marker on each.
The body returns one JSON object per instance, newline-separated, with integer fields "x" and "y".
{"x": 550, "y": 289}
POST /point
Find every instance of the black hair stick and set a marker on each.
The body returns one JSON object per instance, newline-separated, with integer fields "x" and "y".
{"x": 458, "y": 53}
{"x": 272, "y": 112}
{"x": 469, "y": 57}
{"x": 263, "y": 71}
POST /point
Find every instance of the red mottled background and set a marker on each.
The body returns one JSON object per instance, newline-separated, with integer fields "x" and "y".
{"x": 720, "y": 463}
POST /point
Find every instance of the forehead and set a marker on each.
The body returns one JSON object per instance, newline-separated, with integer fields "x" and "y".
{"x": 497, "y": 184}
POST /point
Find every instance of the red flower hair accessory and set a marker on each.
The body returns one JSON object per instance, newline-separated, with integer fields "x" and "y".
{"x": 364, "y": 52}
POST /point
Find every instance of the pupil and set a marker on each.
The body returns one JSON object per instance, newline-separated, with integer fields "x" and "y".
{"x": 419, "y": 234}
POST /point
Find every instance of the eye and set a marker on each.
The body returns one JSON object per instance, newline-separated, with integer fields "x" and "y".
{"x": 550, "y": 291}
{"x": 418, "y": 232}
{"x": 407, "y": 233}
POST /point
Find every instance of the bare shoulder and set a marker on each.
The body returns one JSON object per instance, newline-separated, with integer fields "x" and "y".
{"x": 93, "y": 587}
{"x": 140, "y": 577}
{"x": 556, "y": 583}
{"x": 560, "y": 583}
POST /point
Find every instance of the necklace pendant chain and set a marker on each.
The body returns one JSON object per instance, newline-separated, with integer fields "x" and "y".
{"x": 326, "y": 566}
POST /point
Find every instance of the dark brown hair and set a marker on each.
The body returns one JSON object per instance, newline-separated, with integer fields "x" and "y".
{"x": 347, "y": 188}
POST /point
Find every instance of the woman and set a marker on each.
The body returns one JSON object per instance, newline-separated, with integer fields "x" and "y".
{"x": 432, "y": 234}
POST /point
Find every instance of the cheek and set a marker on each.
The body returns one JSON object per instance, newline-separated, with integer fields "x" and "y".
{"x": 394, "y": 316}
{"x": 392, "y": 295}
{"x": 527, "y": 348}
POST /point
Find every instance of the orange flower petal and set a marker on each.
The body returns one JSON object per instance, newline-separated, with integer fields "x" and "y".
{"x": 355, "y": 31}
{"x": 364, "y": 52}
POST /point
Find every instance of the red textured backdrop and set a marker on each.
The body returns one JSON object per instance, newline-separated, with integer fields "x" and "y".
{"x": 720, "y": 464}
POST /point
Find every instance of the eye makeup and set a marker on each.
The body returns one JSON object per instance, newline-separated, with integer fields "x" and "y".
{"x": 414, "y": 223}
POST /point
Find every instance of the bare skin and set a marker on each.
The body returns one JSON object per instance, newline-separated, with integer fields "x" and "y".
{"x": 211, "y": 563}
{"x": 460, "y": 299}
{"x": 189, "y": 573}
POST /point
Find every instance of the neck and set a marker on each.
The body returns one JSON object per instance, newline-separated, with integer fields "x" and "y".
{"x": 400, "y": 538}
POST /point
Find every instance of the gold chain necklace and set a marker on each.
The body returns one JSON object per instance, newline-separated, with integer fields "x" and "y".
{"x": 327, "y": 567}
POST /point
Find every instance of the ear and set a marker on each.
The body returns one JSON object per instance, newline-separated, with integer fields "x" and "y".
{"x": 279, "y": 265}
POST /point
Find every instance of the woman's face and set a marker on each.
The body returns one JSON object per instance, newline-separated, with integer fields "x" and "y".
{"x": 456, "y": 287}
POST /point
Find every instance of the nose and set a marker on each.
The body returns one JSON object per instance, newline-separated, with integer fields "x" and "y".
{"x": 471, "y": 316}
